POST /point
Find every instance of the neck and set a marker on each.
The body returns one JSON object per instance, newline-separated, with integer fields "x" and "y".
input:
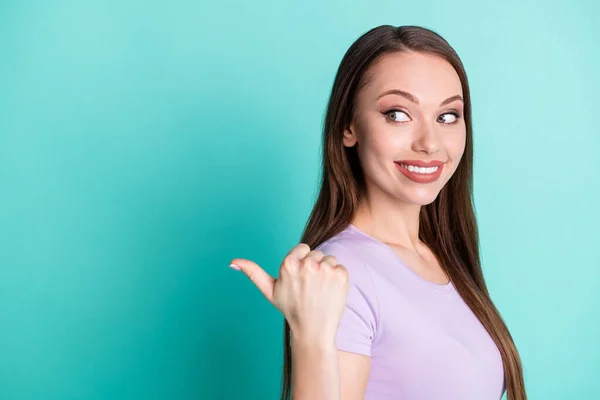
{"x": 389, "y": 220}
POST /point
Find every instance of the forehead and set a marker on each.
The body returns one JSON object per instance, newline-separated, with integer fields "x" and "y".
{"x": 428, "y": 77}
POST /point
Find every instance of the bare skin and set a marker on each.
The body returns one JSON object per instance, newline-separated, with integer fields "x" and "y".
{"x": 311, "y": 289}
{"x": 311, "y": 293}
{"x": 423, "y": 131}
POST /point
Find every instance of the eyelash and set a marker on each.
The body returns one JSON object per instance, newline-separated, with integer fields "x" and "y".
{"x": 455, "y": 113}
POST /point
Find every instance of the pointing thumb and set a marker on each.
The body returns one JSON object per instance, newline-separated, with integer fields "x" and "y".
{"x": 263, "y": 281}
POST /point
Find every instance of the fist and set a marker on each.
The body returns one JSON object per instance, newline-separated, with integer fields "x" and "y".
{"x": 310, "y": 291}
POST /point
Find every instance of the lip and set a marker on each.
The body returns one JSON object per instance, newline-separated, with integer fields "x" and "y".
{"x": 417, "y": 177}
{"x": 421, "y": 163}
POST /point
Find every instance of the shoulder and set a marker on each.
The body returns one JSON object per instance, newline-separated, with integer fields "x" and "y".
{"x": 359, "y": 324}
{"x": 341, "y": 247}
{"x": 345, "y": 247}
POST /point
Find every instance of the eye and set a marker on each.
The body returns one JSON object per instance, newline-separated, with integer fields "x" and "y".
{"x": 452, "y": 120}
{"x": 398, "y": 115}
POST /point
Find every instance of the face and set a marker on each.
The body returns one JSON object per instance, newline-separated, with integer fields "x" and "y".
{"x": 408, "y": 126}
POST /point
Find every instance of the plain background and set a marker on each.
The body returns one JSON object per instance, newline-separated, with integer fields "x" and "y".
{"x": 143, "y": 145}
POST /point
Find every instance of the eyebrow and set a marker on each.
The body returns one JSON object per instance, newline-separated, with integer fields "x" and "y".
{"x": 415, "y": 100}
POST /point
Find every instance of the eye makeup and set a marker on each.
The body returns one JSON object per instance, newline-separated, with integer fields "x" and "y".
{"x": 454, "y": 112}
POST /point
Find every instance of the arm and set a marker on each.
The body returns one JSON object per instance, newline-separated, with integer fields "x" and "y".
{"x": 354, "y": 374}
{"x": 358, "y": 325}
{"x": 315, "y": 370}
{"x": 322, "y": 372}
{"x": 311, "y": 293}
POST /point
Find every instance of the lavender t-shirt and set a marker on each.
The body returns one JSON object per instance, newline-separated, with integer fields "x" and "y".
{"x": 424, "y": 341}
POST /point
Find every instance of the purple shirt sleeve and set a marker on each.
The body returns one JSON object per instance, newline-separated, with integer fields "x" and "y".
{"x": 416, "y": 332}
{"x": 358, "y": 325}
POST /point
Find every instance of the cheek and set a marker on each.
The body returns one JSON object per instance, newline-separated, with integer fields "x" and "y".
{"x": 381, "y": 149}
{"x": 377, "y": 151}
{"x": 381, "y": 140}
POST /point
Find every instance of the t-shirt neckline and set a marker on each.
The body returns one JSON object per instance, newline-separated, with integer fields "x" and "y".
{"x": 444, "y": 287}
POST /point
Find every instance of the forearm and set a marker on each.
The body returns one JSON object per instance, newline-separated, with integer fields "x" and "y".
{"x": 315, "y": 370}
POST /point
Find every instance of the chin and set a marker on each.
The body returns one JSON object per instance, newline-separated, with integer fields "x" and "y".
{"x": 421, "y": 197}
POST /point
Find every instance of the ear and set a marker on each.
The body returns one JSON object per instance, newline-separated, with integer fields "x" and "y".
{"x": 350, "y": 138}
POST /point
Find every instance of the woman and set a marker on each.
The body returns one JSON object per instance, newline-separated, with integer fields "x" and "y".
{"x": 391, "y": 302}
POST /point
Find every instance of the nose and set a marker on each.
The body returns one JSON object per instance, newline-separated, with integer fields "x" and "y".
{"x": 426, "y": 140}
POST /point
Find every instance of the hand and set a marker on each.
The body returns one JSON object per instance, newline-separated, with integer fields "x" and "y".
{"x": 310, "y": 291}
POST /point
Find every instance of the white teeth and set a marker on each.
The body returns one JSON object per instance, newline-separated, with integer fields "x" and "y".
{"x": 420, "y": 170}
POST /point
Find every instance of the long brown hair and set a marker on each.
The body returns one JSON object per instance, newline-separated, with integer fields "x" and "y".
{"x": 447, "y": 225}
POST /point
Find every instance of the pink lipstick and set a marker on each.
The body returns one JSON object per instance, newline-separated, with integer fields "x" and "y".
{"x": 421, "y": 171}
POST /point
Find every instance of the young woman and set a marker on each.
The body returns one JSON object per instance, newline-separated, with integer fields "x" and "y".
{"x": 384, "y": 297}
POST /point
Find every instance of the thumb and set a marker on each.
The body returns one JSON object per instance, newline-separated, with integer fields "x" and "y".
{"x": 263, "y": 281}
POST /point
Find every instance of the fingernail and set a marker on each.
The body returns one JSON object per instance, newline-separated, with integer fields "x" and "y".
{"x": 235, "y": 267}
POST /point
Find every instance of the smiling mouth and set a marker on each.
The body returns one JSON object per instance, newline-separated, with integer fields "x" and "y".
{"x": 419, "y": 170}
{"x": 428, "y": 173}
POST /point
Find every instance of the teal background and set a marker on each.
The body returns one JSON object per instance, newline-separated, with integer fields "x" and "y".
{"x": 143, "y": 145}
